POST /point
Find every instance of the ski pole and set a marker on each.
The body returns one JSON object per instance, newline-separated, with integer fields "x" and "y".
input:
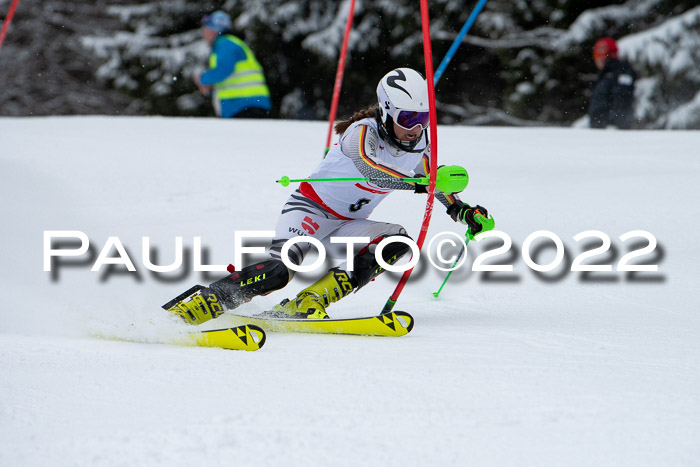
{"x": 459, "y": 255}
{"x": 458, "y": 40}
{"x": 448, "y": 179}
{"x": 285, "y": 181}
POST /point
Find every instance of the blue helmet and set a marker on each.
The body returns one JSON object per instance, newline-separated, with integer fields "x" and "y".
{"x": 218, "y": 21}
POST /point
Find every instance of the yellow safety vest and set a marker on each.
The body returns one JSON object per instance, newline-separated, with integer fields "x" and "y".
{"x": 247, "y": 78}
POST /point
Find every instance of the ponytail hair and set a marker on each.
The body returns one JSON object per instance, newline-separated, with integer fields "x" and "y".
{"x": 343, "y": 125}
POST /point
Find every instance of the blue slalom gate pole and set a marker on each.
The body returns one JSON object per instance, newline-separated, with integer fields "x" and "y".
{"x": 441, "y": 69}
{"x": 458, "y": 40}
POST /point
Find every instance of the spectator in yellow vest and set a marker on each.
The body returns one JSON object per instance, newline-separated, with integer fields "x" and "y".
{"x": 235, "y": 80}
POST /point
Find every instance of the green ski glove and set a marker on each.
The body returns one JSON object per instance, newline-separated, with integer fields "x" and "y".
{"x": 476, "y": 218}
{"x": 448, "y": 179}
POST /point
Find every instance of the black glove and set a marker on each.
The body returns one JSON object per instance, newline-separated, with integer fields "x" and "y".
{"x": 460, "y": 212}
{"x": 420, "y": 188}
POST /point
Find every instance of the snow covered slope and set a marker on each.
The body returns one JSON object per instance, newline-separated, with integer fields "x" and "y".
{"x": 505, "y": 368}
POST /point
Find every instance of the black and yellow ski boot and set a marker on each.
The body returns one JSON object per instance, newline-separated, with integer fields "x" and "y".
{"x": 311, "y": 303}
{"x": 196, "y": 306}
{"x": 200, "y": 304}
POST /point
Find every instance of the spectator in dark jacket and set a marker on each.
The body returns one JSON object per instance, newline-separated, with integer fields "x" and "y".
{"x": 612, "y": 102}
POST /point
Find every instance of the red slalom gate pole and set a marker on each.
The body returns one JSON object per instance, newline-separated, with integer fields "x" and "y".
{"x": 339, "y": 76}
{"x": 8, "y": 20}
{"x": 428, "y": 57}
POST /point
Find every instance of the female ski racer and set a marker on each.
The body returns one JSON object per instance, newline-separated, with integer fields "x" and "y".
{"x": 388, "y": 141}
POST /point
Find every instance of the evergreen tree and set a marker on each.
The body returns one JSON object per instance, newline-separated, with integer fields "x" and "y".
{"x": 523, "y": 63}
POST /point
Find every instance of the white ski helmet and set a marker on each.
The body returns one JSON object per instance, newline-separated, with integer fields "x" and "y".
{"x": 403, "y": 99}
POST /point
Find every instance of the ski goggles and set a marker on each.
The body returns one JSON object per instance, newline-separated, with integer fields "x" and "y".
{"x": 407, "y": 119}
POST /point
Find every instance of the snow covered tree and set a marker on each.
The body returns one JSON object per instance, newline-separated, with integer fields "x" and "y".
{"x": 523, "y": 63}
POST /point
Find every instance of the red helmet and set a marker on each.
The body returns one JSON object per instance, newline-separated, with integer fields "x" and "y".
{"x": 605, "y": 47}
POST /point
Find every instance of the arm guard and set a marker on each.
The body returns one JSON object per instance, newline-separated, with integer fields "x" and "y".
{"x": 360, "y": 145}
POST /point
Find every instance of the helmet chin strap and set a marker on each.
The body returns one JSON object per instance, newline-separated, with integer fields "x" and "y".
{"x": 389, "y": 136}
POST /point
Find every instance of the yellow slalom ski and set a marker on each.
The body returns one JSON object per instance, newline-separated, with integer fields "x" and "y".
{"x": 394, "y": 324}
{"x": 243, "y": 337}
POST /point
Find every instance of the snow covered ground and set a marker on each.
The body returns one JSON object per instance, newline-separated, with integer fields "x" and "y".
{"x": 505, "y": 368}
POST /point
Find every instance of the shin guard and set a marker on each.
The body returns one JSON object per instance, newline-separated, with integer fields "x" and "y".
{"x": 366, "y": 265}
